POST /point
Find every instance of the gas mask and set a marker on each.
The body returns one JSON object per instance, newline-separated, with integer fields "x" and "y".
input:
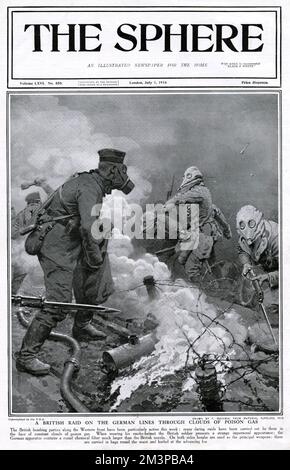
{"x": 121, "y": 180}
{"x": 250, "y": 224}
{"x": 191, "y": 176}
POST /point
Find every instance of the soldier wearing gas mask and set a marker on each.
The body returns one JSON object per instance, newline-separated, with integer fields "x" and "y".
{"x": 33, "y": 202}
{"x": 212, "y": 224}
{"x": 72, "y": 258}
{"x": 258, "y": 244}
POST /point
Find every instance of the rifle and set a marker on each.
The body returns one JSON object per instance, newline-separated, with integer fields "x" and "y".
{"x": 260, "y": 297}
{"x": 169, "y": 193}
{"x": 40, "y": 302}
{"x": 164, "y": 251}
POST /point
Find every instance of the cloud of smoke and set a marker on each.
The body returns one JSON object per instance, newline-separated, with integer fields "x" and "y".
{"x": 52, "y": 141}
{"x": 54, "y": 136}
{"x": 183, "y": 313}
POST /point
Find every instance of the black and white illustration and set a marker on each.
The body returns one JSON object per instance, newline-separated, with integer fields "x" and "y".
{"x": 144, "y": 265}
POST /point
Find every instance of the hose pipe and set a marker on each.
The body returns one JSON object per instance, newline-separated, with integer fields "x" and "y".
{"x": 71, "y": 366}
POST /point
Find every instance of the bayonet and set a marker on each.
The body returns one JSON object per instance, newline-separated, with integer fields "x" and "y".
{"x": 40, "y": 302}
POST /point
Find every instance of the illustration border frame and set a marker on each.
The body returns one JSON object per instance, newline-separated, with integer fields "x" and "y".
{"x": 270, "y": 91}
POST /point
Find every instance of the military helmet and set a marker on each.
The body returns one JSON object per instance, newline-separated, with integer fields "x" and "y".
{"x": 33, "y": 197}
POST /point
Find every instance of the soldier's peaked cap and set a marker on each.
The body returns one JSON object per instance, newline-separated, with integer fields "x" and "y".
{"x": 111, "y": 155}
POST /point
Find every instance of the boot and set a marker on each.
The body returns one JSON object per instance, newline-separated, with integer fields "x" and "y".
{"x": 83, "y": 329}
{"x": 34, "y": 338}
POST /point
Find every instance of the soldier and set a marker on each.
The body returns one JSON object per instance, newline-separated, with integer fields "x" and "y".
{"x": 212, "y": 223}
{"x": 19, "y": 222}
{"x": 258, "y": 244}
{"x": 72, "y": 258}
{"x": 33, "y": 202}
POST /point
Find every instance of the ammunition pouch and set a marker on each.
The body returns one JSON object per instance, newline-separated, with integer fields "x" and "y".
{"x": 45, "y": 221}
{"x": 34, "y": 241}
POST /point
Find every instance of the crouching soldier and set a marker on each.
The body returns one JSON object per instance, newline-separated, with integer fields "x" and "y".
{"x": 211, "y": 226}
{"x": 33, "y": 202}
{"x": 258, "y": 246}
{"x": 72, "y": 258}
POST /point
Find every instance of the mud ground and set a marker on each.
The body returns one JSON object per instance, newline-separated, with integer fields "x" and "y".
{"x": 249, "y": 389}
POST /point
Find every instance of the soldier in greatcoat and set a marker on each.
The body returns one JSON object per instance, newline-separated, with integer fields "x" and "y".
{"x": 72, "y": 257}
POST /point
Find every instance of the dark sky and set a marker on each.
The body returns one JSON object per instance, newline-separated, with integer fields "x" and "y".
{"x": 162, "y": 134}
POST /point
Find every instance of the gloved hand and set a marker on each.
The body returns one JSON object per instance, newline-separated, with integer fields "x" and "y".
{"x": 184, "y": 235}
{"x": 86, "y": 264}
{"x": 246, "y": 269}
{"x": 228, "y": 233}
{"x": 168, "y": 206}
{"x": 262, "y": 278}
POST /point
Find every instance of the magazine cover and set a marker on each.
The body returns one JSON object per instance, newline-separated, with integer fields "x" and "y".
{"x": 145, "y": 238}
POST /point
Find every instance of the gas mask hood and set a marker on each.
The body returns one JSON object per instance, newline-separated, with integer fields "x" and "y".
{"x": 191, "y": 177}
{"x": 250, "y": 223}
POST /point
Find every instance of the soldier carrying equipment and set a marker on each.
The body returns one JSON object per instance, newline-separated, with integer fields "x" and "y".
{"x": 211, "y": 226}
{"x": 25, "y": 217}
{"x": 71, "y": 257}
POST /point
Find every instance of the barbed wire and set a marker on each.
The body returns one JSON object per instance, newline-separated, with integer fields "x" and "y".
{"x": 245, "y": 366}
{"x": 248, "y": 366}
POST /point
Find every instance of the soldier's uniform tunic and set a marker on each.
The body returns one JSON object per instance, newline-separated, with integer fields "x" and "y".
{"x": 71, "y": 258}
{"x": 73, "y": 254}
